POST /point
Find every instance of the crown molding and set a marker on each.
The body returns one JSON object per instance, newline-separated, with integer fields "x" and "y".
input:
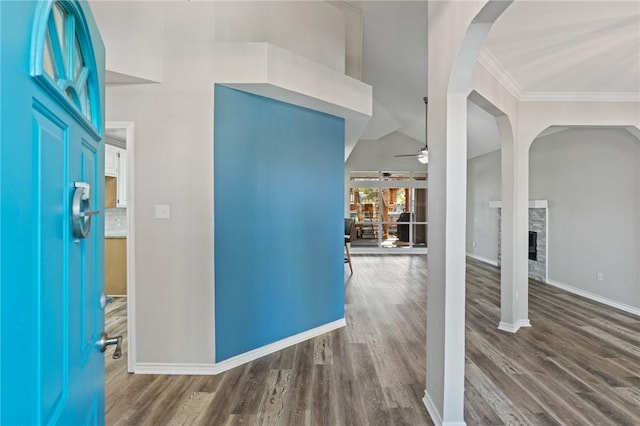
{"x": 500, "y": 73}
{"x": 580, "y": 97}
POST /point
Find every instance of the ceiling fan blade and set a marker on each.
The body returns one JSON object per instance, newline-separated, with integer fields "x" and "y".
{"x": 406, "y": 155}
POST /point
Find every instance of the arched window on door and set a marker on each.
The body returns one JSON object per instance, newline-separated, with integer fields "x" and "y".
{"x": 63, "y": 60}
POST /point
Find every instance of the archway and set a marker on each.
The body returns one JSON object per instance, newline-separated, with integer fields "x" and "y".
{"x": 457, "y": 31}
{"x": 590, "y": 177}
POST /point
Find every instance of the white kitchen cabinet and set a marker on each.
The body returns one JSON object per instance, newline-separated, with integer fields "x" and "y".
{"x": 121, "y": 200}
{"x": 115, "y": 165}
{"x": 111, "y": 160}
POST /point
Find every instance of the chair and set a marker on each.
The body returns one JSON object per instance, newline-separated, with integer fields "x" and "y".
{"x": 403, "y": 227}
{"x": 348, "y": 230}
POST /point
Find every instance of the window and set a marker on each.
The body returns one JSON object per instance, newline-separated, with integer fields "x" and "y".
{"x": 63, "y": 61}
{"x": 389, "y": 209}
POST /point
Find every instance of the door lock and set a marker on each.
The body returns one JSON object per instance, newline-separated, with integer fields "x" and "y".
{"x": 105, "y": 341}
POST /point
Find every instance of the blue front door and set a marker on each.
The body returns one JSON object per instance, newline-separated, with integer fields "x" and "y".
{"x": 51, "y": 244}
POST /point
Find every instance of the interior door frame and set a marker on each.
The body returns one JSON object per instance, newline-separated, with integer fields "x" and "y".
{"x": 128, "y": 126}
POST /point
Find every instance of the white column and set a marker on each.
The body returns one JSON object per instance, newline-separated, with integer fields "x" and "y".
{"x": 455, "y": 267}
{"x": 446, "y": 288}
{"x": 514, "y": 282}
{"x": 507, "y": 225}
{"x": 521, "y": 240}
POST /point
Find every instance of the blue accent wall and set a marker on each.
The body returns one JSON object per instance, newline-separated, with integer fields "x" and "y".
{"x": 279, "y": 185}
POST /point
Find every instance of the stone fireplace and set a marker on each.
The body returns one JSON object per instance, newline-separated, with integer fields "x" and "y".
{"x": 538, "y": 225}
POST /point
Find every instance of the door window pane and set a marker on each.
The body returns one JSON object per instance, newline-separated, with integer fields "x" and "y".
{"x": 47, "y": 59}
{"x": 67, "y": 61}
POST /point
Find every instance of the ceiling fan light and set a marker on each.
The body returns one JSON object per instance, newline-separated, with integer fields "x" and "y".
{"x": 423, "y": 156}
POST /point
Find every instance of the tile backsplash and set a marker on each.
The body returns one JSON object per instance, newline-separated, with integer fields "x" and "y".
{"x": 115, "y": 222}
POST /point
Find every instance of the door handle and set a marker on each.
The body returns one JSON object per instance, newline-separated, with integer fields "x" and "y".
{"x": 80, "y": 210}
{"x": 89, "y": 213}
{"x": 105, "y": 341}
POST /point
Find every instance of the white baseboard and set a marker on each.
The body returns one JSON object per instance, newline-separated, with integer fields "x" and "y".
{"x": 217, "y": 368}
{"x": 514, "y": 327}
{"x": 595, "y": 297}
{"x": 279, "y": 345}
{"x": 435, "y": 415}
{"x": 181, "y": 369}
{"x": 483, "y": 259}
{"x": 431, "y": 409}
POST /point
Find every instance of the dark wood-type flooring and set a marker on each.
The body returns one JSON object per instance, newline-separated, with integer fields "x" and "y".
{"x": 578, "y": 365}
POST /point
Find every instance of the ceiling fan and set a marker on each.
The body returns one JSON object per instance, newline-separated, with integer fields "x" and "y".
{"x": 423, "y": 154}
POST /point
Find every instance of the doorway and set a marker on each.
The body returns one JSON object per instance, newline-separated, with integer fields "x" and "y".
{"x": 120, "y": 236}
{"x": 389, "y": 210}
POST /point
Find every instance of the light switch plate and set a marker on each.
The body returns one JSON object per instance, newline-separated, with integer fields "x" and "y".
{"x": 162, "y": 211}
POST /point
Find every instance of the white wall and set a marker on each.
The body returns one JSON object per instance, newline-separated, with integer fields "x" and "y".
{"x": 353, "y": 39}
{"x": 134, "y": 32}
{"x": 592, "y": 181}
{"x": 315, "y": 30}
{"x": 483, "y": 185}
{"x": 591, "y": 178}
{"x": 379, "y": 154}
{"x": 174, "y": 166}
{"x": 140, "y": 56}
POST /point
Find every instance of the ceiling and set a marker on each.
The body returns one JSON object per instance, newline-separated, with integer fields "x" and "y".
{"x": 394, "y": 62}
{"x": 570, "y": 46}
{"x": 538, "y": 49}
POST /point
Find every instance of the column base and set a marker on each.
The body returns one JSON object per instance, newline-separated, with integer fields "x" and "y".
{"x": 514, "y": 327}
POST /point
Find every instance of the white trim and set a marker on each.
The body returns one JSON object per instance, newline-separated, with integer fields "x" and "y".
{"x": 178, "y": 369}
{"x": 483, "y": 259}
{"x": 131, "y": 263}
{"x": 580, "y": 97}
{"x": 435, "y": 415}
{"x": 513, "y": 328}
{"x": 595, "y": 297}
{"x": 279, "y": 345}
{"x": 431, "y": 409}
{"x": 500, "y": 73}
{"x": 217, "y": 368}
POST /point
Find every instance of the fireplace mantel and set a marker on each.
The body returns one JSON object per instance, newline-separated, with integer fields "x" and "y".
{"x": 533, "y": 204}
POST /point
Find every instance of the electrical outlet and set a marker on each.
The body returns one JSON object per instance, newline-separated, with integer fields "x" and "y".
{"x": 600, "y": 276}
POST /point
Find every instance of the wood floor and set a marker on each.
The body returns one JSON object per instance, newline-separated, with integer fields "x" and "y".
{"x": 579, "y": 364}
